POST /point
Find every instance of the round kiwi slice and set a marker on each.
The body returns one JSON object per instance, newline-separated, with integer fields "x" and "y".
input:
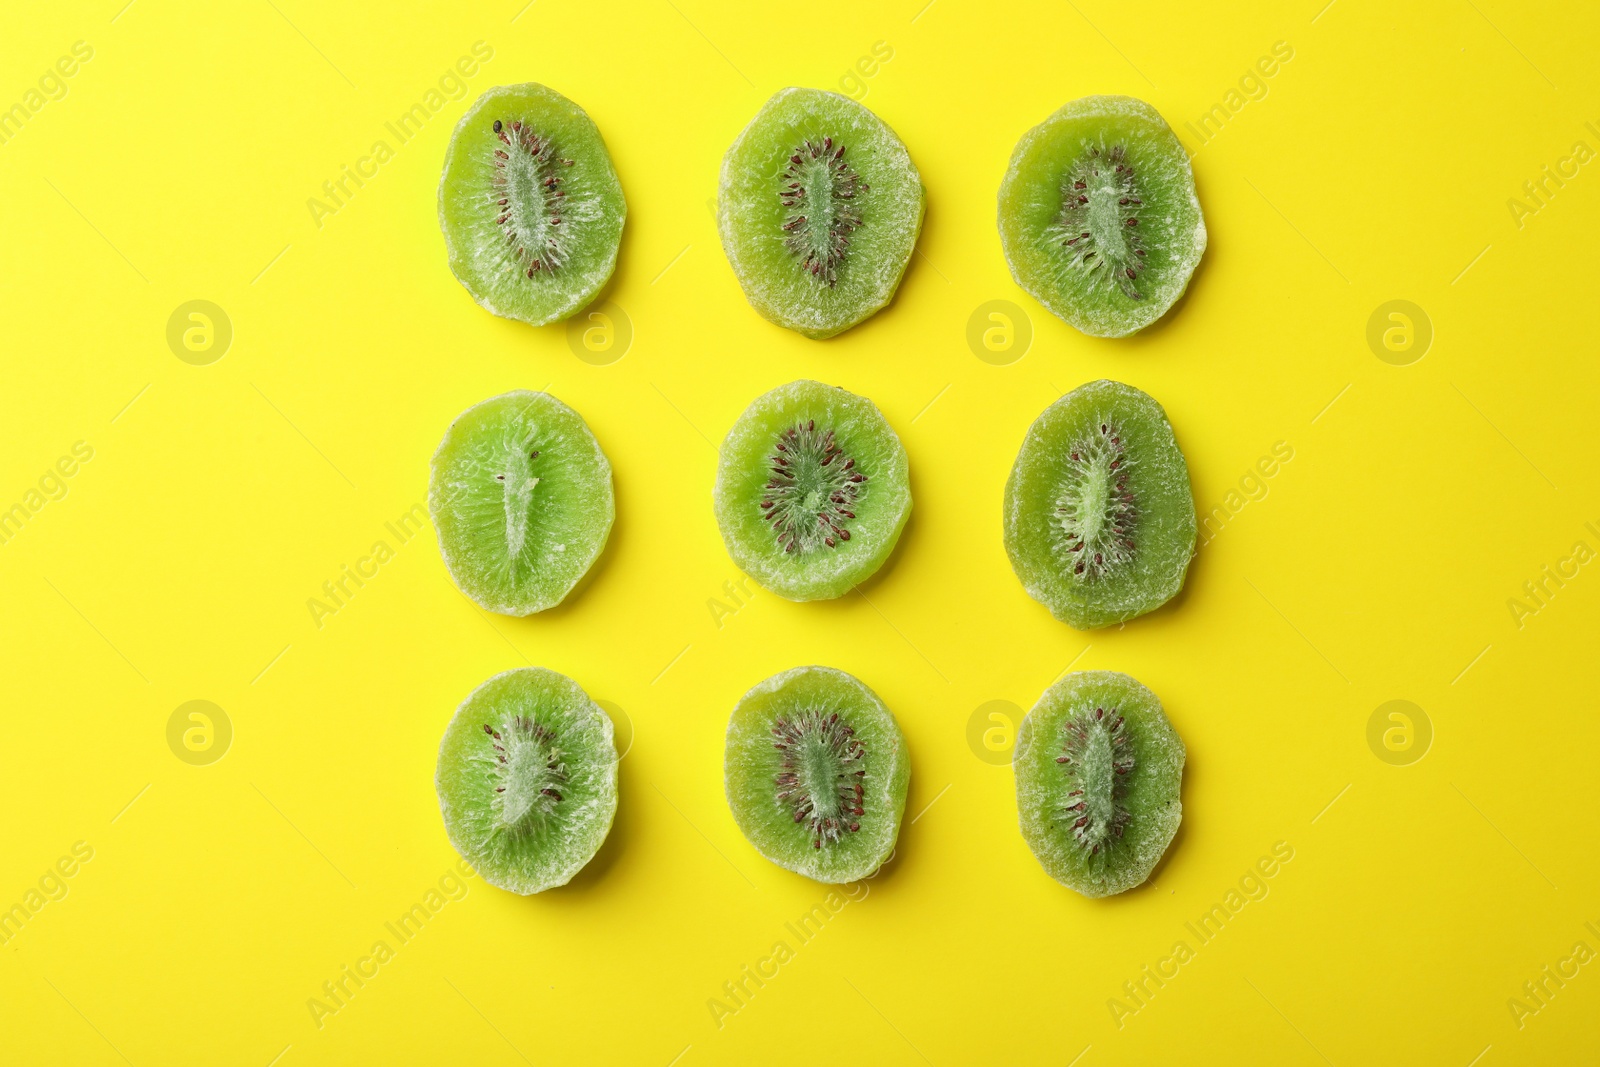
{"x": 812, "y": 490}
{"x": 819, "y": 210}
{"x": 527, "y": 779}
{"x": 521, "y": 501}
{"x": 816, "y": 773}
{"x": 1098, "y": 215}
{"x": 530, "y": 204}
{"x": 1098, "y": 770}
{"x": 1099, "y": 516}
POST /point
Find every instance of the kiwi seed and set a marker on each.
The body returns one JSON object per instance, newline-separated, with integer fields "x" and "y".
{"x": 1096, "y": 759}
{"x": 1097, "y": 509}
{"x": 818, "y": 782}
{"x": 1099, "y": 222}
{"x": 820, "y": 193}
{"x": 530, "y": 202}
{"x": 813, "y": 487}
{"x": 527, "y": 764}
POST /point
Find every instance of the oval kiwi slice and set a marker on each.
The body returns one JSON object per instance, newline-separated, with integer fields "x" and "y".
{"x": 521, "y": 501}
{"x": 819, "y": 210}
{"x": 1098, "y": 215}
{"x": 1099, "y": 516}
{"x": 527, "y": 779}
{"x": 816, "y": 773}
{"x": 530, "y": 204}
{"x": 1098, "y": 770}
{"x": 812, "y": 491}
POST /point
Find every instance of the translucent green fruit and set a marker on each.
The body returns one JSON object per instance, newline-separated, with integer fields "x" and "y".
{"x": 530, "y": 204}
{"x": 1098, "y": 770}
{"x": 816, "y": 774}
{"x": 527, "y": 779}
{"x": 1098, "y": 215}
{"x": 819, "y": 211}
{"x": 1099, "y": 516}
{"x": 812, "y": 491}
{"x": 521, "y": 501}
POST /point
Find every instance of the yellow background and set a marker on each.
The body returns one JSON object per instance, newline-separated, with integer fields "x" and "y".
{"x": 1378, "y": 565}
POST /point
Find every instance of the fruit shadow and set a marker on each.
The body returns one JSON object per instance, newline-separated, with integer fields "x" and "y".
{"x": 591, "y": 577}
{"x": 1198, "y": 562}
{"x": 1164, "y": 323}
{"x": 920, "y": 262}
{"x": 1181, "y": 597}
{"x": 909, "y": 532}
{"x": 1152, "y": 882}
{"x": 624, "y": 257}
{"x": 870, "y": 584}
{"x": 881, "y": 317}
{"x": 892, "y": 864}
{"x": 629, "y": 785}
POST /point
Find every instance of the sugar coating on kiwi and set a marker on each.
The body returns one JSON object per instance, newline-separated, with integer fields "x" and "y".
{"x": 521, "y": 500}
{"x": 527, "y": 779}
{"x": 1099, "y": 519}
{"x": 1099, "y": 770}
{"x": 813, "y": 488}
{"x": 1098, "y": 215}
{"x": 530, "y": 204}
{"x": 816, "y": 773}
{"x": 819, "y": 210}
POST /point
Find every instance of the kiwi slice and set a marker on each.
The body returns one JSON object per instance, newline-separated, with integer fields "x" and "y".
{"x": 521, "y": 501}
{"x": 1099, "y": 516}
{"x": 530, "y": 204}
{"x": 816, "y": 773}
{"x": 819, "y": 210}
{"x": 527, "y": 779}
{"x": 1098, "y": 770}
{"x": 812, "y": 491}
{"x": 1098, "y": 215}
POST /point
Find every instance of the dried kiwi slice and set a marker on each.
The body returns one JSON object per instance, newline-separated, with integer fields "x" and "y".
{"x": 1098, "y": 215}
{"x": 819, "y": 211}
{"x": 812, "y": 490}
{"x": 1099, "y": 516}
{"x": 816, "y": 773}
{"x": 527, "y": 779}
{"x": 521, "y": 501}
{"x": 1098, "y": 770}
{"x": 530, "y": 204}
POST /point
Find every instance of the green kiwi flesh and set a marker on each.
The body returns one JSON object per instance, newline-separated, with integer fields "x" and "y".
{"x": 1099, "y": 517}
{"x": 530, "y": 204}
{"x": 1099, "y": 770}
{"x": 819, "y": 210}
{"x": 816, "y": 773}
{"x": 521, "y": 500}
{"x": 812, "y": 490}
{"x": 1098, "y": 215}
{"x": 527, "y": 779}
